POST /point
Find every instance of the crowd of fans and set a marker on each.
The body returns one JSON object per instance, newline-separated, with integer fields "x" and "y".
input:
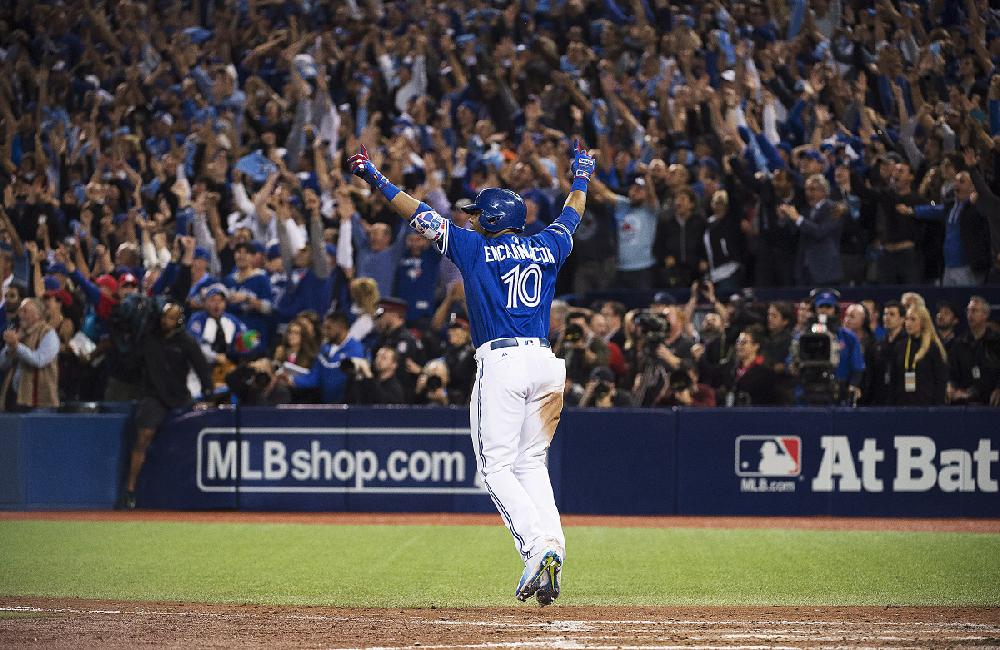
{"x": 179, "y": 165}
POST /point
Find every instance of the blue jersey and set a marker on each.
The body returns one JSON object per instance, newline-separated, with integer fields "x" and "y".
{"x": 509, "y": 280}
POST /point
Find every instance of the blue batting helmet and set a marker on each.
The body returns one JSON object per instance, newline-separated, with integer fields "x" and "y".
{"x": 500, "y": 210}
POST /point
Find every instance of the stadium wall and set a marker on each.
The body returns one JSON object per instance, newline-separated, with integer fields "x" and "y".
{"x": 869, "y": 462}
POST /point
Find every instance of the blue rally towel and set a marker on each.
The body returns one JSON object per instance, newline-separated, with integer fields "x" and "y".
{"x": 256, "y": 166}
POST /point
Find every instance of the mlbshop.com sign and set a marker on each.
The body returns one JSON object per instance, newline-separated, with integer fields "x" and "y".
{"x": 360, "y": 460}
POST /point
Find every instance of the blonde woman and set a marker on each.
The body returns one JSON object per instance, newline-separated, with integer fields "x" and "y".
{"x": 364, "y": 302}
{"x": 919, "y": 372}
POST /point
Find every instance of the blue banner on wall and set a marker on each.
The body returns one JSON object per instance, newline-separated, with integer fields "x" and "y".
{"x": 318, "y": 459}
{"x": 875, "y": 462}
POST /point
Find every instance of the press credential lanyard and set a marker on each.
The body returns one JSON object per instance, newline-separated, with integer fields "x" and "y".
{"x": 909, "y": 375}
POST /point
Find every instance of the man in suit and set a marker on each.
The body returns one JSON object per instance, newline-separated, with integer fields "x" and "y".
{"x": 817, "y": 261}
{"x": 967, "y": 235}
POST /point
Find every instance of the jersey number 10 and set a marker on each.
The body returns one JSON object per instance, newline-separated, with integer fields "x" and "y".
{"x": 524, "y": 287}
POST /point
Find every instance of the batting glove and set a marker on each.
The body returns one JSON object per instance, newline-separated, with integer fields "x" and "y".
{"x": 582, "y": 167}
{"x": 363, "y": 168}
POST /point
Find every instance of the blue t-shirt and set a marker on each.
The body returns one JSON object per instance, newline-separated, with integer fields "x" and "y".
{"x": 636, "y": 232}
{"x": 416, "y": 281}
{"x": 509, "y": 280}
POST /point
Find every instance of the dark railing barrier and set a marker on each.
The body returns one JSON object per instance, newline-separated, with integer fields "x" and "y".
{"x": 877, "y": 462}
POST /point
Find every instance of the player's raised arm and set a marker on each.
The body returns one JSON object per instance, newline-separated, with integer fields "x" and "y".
{"x": 420, "y": 215}
{"x": 582, "y": 168}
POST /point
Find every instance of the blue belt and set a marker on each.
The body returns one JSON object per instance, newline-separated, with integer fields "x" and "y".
{"x": 513, "y": 343}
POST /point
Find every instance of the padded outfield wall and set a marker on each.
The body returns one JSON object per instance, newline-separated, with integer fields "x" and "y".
{"x": 879, "y": 462}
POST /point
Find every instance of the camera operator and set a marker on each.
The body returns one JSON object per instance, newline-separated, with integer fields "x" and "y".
{"x": 379, "y": 387}
{"x": 684, "y": 389}
{"x": 601, "y": 391}
{"x": 581, "y": 348}
{"x": 168, "y": 352}
{"x": 751, "y": 382}
{"x": 654, "y": 360}
{"x": 827, "y": 357}
{"x": 432, "y": 384}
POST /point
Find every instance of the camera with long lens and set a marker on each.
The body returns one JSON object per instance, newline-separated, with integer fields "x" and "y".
{"x": 573, "y": 334}
{"x": 654, "y": 328}
{"x": 433, "y": 383}
{"x": 680, "y": 380}
{"x": 816, "y": 355}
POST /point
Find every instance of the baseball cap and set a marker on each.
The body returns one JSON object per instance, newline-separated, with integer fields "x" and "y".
{"x": 216, "y": 289}
{"x": 61, "y": 294}
{"x": 202, "y": 253}
{"x": 252, "y": 246}
{"x": 396, "y": 305}
{"x": 51, "y": 283}
{"x": 107, "y": 282}
{"x": 825, "y": 299}
{"x": 664, "y": 298}
{"x": 812, "y": 154}
{"x": 58, "y": 268}
{"x": 273, "y": 251}
{"x": 602, "y": 373}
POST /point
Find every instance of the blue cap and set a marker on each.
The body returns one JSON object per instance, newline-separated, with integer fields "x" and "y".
{"x": 51, "y": 283}
{"x": 217, "y": 289}
{"x": 825, "y": 298}
{"x": 711, "y": 164}
{"x": 252, "y": 246}
{"x": 202, "y": 253}
{"x": 273, "y": 251}
{"x": 813, "y": 155}
{"x": 58, "y": 268}
{"x": 664, "y": 298}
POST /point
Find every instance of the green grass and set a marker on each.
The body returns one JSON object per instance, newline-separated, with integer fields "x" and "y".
{"x": 411, "y": 566}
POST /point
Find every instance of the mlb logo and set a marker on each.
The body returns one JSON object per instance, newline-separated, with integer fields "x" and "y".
{"x": 768, "y": 456}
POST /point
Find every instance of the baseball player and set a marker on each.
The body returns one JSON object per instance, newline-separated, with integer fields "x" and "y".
{"x": 518, "y": 393}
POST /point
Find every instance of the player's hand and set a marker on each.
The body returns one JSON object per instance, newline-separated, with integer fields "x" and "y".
{"x": 583, "y": 162}
{"x": 364, "y": 168}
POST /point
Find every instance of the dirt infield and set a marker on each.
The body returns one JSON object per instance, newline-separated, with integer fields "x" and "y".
{"x": 451, "y": 519}
{"x": 61, "y": 623}
{"x": 33, "y": 622}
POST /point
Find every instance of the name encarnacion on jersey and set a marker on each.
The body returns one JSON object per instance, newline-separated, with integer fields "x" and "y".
{"x": 500, "y": 252}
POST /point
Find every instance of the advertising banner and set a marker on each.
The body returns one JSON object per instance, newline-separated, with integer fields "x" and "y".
{"x": 870, "y": 462}
{"x": 324, "y": 459}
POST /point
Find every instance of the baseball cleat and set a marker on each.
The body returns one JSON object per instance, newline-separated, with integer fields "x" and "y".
{"x": 548, "y": 585}
{"x": 548, "y": 563}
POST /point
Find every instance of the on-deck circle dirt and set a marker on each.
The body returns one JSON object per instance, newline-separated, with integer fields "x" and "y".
{"x": 73, "y": 623}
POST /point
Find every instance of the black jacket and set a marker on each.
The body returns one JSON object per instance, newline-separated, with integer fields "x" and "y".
{"x": 166, "y": 361}
{"x": 931, "y": 373}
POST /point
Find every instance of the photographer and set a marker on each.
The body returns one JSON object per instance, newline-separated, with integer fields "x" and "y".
{"x": 379, "y": 387}
{"x": 601, "y": 391}
{"x": 827, "y": 358}
{"x": 460, "y": 357}
{"x": 432, "y": 384}
{"x": 751, "y": 382}
{"x": 581, "y": 348}
{"x": 684, "y": 389}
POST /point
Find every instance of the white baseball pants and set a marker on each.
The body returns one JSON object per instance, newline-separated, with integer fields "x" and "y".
{"x": 516, "y": 404}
